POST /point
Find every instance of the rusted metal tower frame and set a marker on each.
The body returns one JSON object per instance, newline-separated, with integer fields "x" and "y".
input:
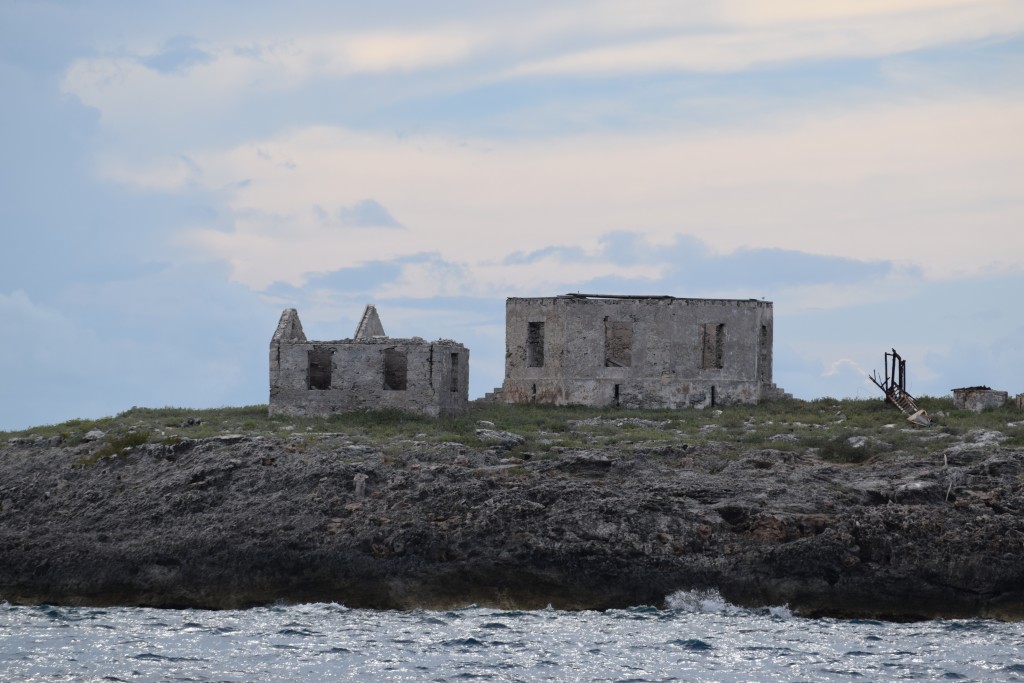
{"x": 895, "y": 388}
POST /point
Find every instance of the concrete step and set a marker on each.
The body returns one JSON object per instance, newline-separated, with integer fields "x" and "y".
{"x": 491, "y": 396}
{"x": 774, "y": 393}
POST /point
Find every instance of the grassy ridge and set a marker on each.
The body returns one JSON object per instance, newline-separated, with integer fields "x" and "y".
{"x": 828, "y": 427}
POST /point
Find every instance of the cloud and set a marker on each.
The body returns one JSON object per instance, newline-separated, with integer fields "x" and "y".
{"x": 624, "y": 262}
{"x": 560, "y": 252}
{"x": 367, "y": 214}
{"x": 808, "y": 11}
{"x": 188, "y": 77}
{"x": 690, "y": 262}
{"x": 757, "y": 34}
{"x": 386, "y": 51}
{"x": 167, "y": 174}
{"x": 928, "y": 185}
{"x": 144, "y": 88}
{"x": 842, "y": 364}
{"x": 177, "y": 56}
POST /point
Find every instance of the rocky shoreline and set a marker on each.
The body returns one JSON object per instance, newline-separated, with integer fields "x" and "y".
{"x": 235, "y": 521}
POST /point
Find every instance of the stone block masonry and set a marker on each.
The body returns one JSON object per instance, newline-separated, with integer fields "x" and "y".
{"x": 370, "y": 372}
{"x": 638, "y": 351}
{"x": 977, "y": 399}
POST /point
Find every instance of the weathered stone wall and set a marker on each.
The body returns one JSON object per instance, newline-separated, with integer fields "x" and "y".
{"x": 977, "y": 399}
{"x": 324, "y": 377}
{"x": 637, "y": 352}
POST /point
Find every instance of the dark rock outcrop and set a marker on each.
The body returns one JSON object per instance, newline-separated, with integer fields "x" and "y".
{"x": 238, "y": 521}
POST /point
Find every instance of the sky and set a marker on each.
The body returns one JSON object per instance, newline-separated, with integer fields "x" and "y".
{"x": 174, "y": 175}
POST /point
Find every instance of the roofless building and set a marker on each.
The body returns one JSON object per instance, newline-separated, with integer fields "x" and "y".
{"x": 368, "y": 372}
{"x": 638, "y": 351}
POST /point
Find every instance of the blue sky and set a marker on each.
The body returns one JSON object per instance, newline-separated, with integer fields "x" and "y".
{"x": 174, "y": 175}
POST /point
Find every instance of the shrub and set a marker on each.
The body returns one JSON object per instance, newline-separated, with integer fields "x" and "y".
{"x": 838, "y": 449}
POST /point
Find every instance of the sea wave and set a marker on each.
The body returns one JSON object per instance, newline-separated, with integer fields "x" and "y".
{"x": 710, "y": 601}
{"x": 700, "y": 637}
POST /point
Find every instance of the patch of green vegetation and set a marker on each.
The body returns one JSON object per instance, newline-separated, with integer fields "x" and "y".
{"x": 518, "y": 471}
{"x": 71, "y": 431}
{"x": 824, "y": 424}
{"x": 839, "y": 449}
{"x": 116, "y": 446}
{"x": 759, "y": 440}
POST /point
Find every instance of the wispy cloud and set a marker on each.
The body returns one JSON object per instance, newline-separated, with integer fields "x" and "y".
{"x": 841, "y": 363}
{"x": 756, "y": 34}
{"x": 187, "y": 79}
{"x": 367, "y": 213}
{"x": 929, "y": 185}
{"x": 178, "y": 55}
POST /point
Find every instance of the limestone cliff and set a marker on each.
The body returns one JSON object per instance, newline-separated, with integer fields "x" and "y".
{"x": 237, "y": 521}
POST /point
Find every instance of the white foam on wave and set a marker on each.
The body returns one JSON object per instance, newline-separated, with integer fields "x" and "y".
{"x": 710, "y": 601}
{"x": 313, "y": 607}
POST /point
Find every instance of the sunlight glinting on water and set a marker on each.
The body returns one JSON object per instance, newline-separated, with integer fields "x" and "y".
{"x": 700, "y": 638}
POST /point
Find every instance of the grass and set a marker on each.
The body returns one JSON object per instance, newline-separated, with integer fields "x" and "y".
{"x": 117, "y": 445}
{"x": 824, "y": 425}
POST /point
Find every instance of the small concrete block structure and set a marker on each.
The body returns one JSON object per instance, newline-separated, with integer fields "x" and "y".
{"x": 370, "y": 372}
{"x": 977, "y": 399}
{"x": 638, "y": 351}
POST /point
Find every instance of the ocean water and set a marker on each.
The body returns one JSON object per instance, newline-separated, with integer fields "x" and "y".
{"x": 700, "y": 638}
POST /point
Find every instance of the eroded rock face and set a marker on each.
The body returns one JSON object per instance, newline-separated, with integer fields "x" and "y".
{"x": 240, "y": 521}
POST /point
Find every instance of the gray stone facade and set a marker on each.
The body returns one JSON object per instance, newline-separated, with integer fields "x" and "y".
{"x": 638, "y": 352}
{"x": 370, "y": 372}
{"x": 977, "y": 399}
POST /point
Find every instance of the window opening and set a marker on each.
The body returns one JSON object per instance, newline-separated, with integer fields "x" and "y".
{"x": 712, "y": 344}
{"x": 535, "y": 345}
{"x": 616, "y": 395}
{"x": 764, "y": 366}
{"x": 396, "y": 369}
{"x": 618, "y": 343}
{"x": 318, "y": 373}
{"x": 455, "y": 372}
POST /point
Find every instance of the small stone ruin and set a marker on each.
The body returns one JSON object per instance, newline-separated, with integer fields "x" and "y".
{"x": 978, "y": 398}
{"x": 371, "y": 371}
